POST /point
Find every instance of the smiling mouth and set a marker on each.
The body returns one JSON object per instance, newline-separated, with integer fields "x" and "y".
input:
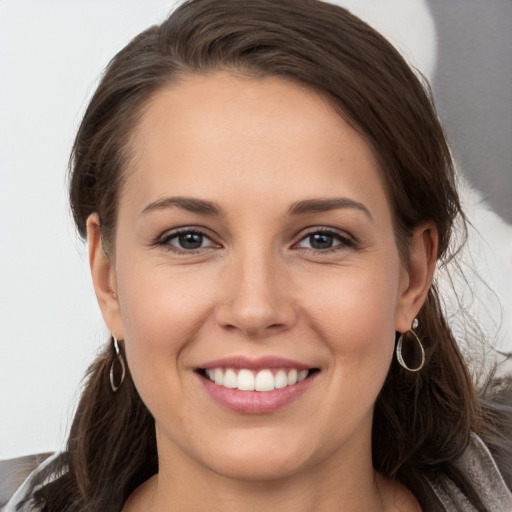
{"x": 266, "y": 379}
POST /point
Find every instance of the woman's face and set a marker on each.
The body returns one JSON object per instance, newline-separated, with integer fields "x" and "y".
{"x": 254, "y": 247}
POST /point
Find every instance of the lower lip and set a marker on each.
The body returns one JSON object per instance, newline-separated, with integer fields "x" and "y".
{"x": 255, "y": 402}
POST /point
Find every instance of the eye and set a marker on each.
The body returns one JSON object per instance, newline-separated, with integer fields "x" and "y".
{"x": 187, "y": 240}
{"x": 324, "y": 240}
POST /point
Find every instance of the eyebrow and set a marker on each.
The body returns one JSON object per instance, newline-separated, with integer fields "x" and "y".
{"x": 310, "y": 206}
{"x": 305, "y": 207}
{"x": 190, "y": 204}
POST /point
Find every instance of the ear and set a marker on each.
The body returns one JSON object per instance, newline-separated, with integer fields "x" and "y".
{"x": 417, "y": 275}
{"x": 103, "y": 278}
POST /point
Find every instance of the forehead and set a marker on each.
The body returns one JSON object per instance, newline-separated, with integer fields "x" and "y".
{"x": 219, "y": 133}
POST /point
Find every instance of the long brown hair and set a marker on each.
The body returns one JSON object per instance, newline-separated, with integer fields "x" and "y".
{"x": 422, "y": 421}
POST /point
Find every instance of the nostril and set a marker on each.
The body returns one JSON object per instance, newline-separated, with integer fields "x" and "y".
{"x": 255, "y": 309}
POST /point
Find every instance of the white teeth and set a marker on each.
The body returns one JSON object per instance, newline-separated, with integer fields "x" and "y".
{"x": 302, "y": 375}
{"x": 230, "y": 379}
{"x": 245, "y": 380}
{"x": 264, "y": 380}
{"x": 292, "y": 377}
{"x": 281, "y": 380}
{"x": 219, "y": 376}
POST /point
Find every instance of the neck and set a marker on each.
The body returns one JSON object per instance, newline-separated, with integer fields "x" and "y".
{"x": 183, "y": 485}
{"x": 287, "y": 495}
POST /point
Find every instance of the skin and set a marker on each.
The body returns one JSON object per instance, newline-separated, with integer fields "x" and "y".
{"x": 257, "y": 286}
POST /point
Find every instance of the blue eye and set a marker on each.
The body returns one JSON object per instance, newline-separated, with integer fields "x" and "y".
{"x": 187, "y": 240}
{"x": 190, "y": 240}
{"x": 325, "y": 240}
{"x": 321, "y": 241}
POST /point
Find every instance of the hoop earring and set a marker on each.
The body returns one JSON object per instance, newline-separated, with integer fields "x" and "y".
{"x": 120, "y": 358}
{"x": 399, "y": 349}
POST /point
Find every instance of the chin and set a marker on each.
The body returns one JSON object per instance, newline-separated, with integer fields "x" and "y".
{"x": 257, "y": 468}
{"x": 259, "y": 459}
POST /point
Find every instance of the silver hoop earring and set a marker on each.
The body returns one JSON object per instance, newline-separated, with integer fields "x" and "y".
{"x": 120, "y": 358}
{"x": 418, "y": 361}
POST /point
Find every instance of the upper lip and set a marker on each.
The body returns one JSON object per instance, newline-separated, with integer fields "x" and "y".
{"x": 251, "y": 363}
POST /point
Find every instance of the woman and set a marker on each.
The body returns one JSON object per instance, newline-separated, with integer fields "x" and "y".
{"x": 266, "y": 190}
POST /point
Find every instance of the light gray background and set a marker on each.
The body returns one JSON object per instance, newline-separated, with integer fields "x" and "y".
{"x": 473, "y": 89}
{"x": 51, "y": 54}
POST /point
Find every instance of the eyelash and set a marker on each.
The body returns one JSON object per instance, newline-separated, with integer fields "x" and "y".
{"x": 344, "y": 240}
{"x": 165, "y": 240}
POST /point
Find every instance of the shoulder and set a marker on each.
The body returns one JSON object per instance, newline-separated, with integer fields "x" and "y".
{"x": 478, "y": 467}
{"x": 20, "y": 478}
{"x": 496, "y": 401}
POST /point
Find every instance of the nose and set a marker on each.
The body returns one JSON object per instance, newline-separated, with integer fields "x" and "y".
{"x": 257, "y": 296}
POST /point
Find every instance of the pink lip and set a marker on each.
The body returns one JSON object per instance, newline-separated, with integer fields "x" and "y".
{"x": 255, "y": 402}
{"x": 254, "y": 363}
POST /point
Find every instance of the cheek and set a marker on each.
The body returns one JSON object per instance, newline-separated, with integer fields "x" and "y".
{"x": 361, "y": 301}
{"x": 162, "y": 312}
{"x": 354, "y": 313}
